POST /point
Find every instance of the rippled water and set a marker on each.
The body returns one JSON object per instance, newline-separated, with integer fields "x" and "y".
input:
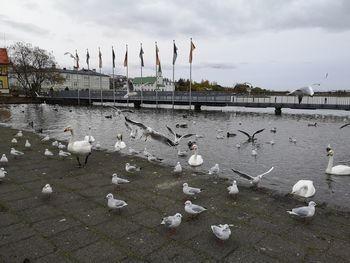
{"x": 304, "y": 160}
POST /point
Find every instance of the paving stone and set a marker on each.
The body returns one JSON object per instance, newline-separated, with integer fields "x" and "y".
{"x": 39, "y": 213}
{"x": 341, "y": 249}
{"x": 117, "y": 227}
{"x": 55, "y": 225}
{"x": 93, "y": 216}
{"x": 249, "y": 255}
{"x": 14, "y": 233}
{"x": 8, "y": 219}
{"x": 57, "y": 257}
{"x": 22, "y": 204}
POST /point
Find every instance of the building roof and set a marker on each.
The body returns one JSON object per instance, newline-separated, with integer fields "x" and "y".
{"x": 145, "y": 80}
{"x": 4, "y": 59}
{"x": 82, "y": 72}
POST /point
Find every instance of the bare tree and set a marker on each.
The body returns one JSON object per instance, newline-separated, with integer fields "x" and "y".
{"x": 32, "y": 66}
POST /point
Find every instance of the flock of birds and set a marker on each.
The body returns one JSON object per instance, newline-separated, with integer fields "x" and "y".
{"x": 83, "y": 149}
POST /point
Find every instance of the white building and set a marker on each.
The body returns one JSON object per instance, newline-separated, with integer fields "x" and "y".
{"x": 80, "y": 79}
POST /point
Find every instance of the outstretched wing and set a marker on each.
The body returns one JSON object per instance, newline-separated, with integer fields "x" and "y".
{"x": 249, "y": 137}
{"x": 261, "y": 175}
{"x": 257, "y": 133}
{"x": 343, "y": 126}
{"x": 139, "y": 124}
{"x": 185, "y": 135}
{"x": 128, "y": 126}
{"x": 162, "y": 138}
{"x": 246, "y": 176}
{"x": 170, "y": 130}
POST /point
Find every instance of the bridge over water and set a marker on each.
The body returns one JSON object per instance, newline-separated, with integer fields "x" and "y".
{"x": 198, "y": 99}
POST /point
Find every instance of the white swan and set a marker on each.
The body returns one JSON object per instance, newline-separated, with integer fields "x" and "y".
{"x": 338, "y": 169}
{"x": 304, "y": 188}
{"x": 78, "y": 148}
{"x": 119, "y": 144}
{"x": 195, "y": 159}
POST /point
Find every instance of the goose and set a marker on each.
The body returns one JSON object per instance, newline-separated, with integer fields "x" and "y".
{"x": 178, "y": 168}
{"x": 27, "y": 144}
{"x": 114, "y": 204}
{"x": 195, "y": 159}
{"x": 233, "y": 189}
{"x": 117, "y": 180}
{"x": 304, "y": 211}
{"x": 304, "y": 188}
{"x": 172, "y": 221}
{"x": 89, "y": 138}
{"x": 222, "y": 232}
{"x": 119, "y": 144}
{"x": 47, "y": 190}
{"x": 78, "y": 148}
{"x": 2, "y": 174}
{"x": 338, "y": 169}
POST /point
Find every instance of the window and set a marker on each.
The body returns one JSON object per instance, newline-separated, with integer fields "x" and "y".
{"x": 1, "y": 85}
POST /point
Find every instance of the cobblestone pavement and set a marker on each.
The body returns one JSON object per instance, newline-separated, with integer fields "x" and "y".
{"x": 74, "y": 224}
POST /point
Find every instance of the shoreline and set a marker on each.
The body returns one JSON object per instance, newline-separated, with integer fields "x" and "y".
{"x": 74, "y": 224}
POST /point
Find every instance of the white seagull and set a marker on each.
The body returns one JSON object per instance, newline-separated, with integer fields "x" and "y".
{"x": 254, "y": 180}
{"x": 251, "y": 137}
{"x": 2, "y": 173}
{"x": 61, "y": 146}
{"x": 133, "y": 151}
{"x": 63, "y": 154}
{"x": 19, "y": 134}
{"x": 117, "y": 180}
{"x": 47, "y": 190}
{"x": 27, "y": 144}
{"x": 89, "y": 138}
{"x": 178, "y": 168}
{"x": 304, "y": 211}
{"x": 233, "y": 189}
{"x": 181, "y": 153}
{"x": 54, "y": 143}
{"x": 4, "y": 159}
{"x": 188, "y": 190}
{"x": 131, "y": 168}
{"x": 48, "y": 153}
{"x": 178, "y": 137}
{"x": 114, "y": 204}
{"x": 222, "y": 232}
{"x": 193, "y": 209}
{"x": 304, "y": 91}
{"x": 15, "y": 153}
{"x": 214, "y": 170}
{"x": 172, "y": 221}
{"x": 46, "y": 138}
{"x": 14, "y": 141}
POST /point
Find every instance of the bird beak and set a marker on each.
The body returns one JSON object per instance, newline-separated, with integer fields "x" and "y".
{"x": 66, "y": 129}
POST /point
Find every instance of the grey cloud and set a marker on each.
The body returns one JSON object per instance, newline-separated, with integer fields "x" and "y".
{"x": 24, "y": 27}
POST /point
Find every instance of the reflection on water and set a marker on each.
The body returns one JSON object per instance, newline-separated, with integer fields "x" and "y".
{"x": 305, "y": 159}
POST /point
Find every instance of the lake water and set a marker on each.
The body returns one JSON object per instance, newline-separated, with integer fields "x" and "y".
{"x": 306, "y": 159}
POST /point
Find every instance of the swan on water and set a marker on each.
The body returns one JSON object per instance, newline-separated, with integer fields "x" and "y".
{"x": 338, "y": 169}
{"x": 304, "y": 188}
{"x": 78, "y": 148}
{"x": 195, "y": 159}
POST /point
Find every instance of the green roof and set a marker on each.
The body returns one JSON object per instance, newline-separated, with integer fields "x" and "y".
{"x": 145, "y": 80}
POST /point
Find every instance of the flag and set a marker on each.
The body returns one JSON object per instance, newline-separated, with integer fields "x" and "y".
{"x": 191, "y": 51}
{"x": 113, "y": 57}
{"x": 157, "y": 56}
{"x": 175, "y": 54}
{"x": 87, "y": 58}
{"x": 99, "y": 58}
{"x": 126, "y": 59}
{"x": 141, "y": 57}
{"x": 77, "y": 59}
{"x": 160, "y": 70}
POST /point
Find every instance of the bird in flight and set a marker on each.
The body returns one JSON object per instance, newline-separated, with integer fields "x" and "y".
{"x": 251, "y": 137}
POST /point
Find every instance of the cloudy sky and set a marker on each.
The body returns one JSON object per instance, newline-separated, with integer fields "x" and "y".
{"x": 273, "y": 44}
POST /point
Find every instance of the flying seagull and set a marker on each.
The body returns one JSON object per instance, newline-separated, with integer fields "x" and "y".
{"x": 149, "y": 132}
{"x": 304, "y": 91}
{"x": 251, "y": 137}
{"x": 178, "y": 137}
{"x": 343, "y": 126}
{"x": 254, "y": 180}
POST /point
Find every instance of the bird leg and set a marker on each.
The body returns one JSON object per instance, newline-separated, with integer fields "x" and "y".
{"x": 79, "y": 164}
{"x": 87, "y": 156}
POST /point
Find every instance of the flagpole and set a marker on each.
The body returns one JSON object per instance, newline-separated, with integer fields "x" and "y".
{"x": 100, "y": 66}
{"x": 88, "y": 64}
{"x": 141, "y": 74}
{"x": 77, "y": 64}
{"x": 173, "y": 74}
{"x": 127, "y": 76}
{"x": 113, "y": 76}
{"x": 190, "y": 98}
{"x": 156, "y": 76}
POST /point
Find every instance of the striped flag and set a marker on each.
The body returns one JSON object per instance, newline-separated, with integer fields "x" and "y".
{"x": 141, "y": 57}
{"x": 77, "y": 59}
{"x": 191, "y": 51}
{"x": 113, "y": 57}
{"x": 126, "y": 58}
{"x": 87, "y": 58}
{"x": 175, "y": 53}
{"x": 157, "y": 56}
{"x": 99, "y": 58}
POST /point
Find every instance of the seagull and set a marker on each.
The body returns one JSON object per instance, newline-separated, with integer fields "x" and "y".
{"x": 15, "y": 153}
{"x": 152, "y": 158}
{"x": 238, "y": 145}
{"x": 133, "y": 133}
{"x": 222, "y": 232}
{"x": 214, "y": 170}
{"x": 48, "y": 153}
{"x": 2, "y": 173}
{"x": 199, "y": 136}
{"x": 119, "y": 145}
{"x": 14, "y": 141}
{"x": 254, "y": 152}
{"x": 4, "y": 159}
{"x": 188, "y": 190}
{"x": 233, "y": 189}
{"x": 253, "y": 180}
{"x": 274, "y": 130}
{"x": 172, "y": 221}
{"x": 181, "y": 125}
{"x": 304, "y": 91}
{"x": 55, "y": 144}
{"x": 19, "y": 134}
{"x": 304, "y": 211}
{"x": 293, "y": 140}
{"x": 343, "y": 126}
{"x": 117, "y": 180}
{"x": 178, "y": 168}
{"x": 27, "y": 144}
{"x": 89, "y": 138}
{"x": 193, "y": 209}
{"x": 46, "y": 138}
{"x": 114, "y": 204}
{"x": 61, "y": 146}
{"x": 181, "y": 153}
{"x": 131, "y": 168}
{"x": 178, "y": 137}
{"x": 149, "y": 132}
{"x": 47, "y": 190}
{"x": 133, "y": 151}
{"x": 251, "y": 137}
{"x": 119, "y": 111}
{"x": 146, "y": 153}
{"x": 219, "y": 134}
{"x": 63, "y": 154}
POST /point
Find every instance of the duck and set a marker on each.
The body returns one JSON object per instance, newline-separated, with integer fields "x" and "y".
{"x": 304, "y": 188}
{"x": 78, "y": 148}
{"x": 119, "y": 144}
{"x": 338, "y": 169}
{"x": 195, "y": 159}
